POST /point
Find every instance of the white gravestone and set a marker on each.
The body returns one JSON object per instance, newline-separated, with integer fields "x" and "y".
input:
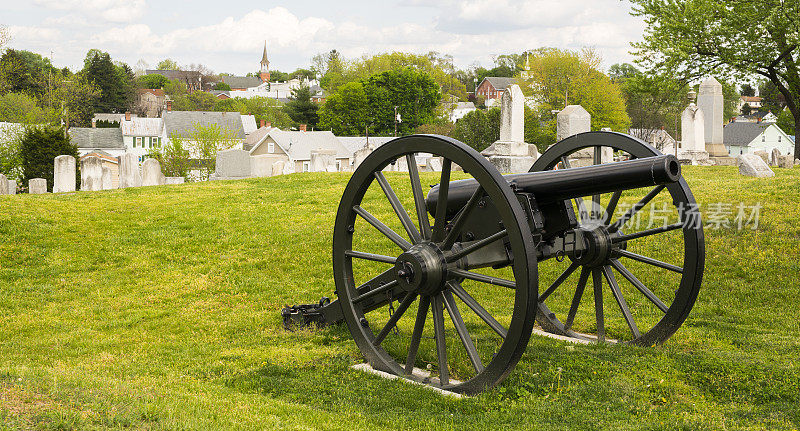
{"x": 12, "y": 187}
{"x": 774, "y": 156}
{"x": 753, "y": 166}
{"x": 763, "y": 154}
{"x": 261, "y": 166}
{"x": 64, "y": 174}
{"x": 434, "y": 164}
{"x": 232, "y": 164}
{"x": 174, "y": 180}
{"x": 129, "y": 175}
{"x": 3, "y": 185}
{"x": 288, "y": 168}
{"x": 361, "y": 154}
{"x": 151, "y": 173}
{"x": 693, "y": 141}
{"x": 786, "y": 162}
{"x": 37, "y": 186}
{"x": 323, "y": 160}
{"x": 91, "y": 174}
{"x": 278, "y": 168}
{"x": 711, "y": 102}
{"x": 572, "y": 120}
{"x": 511, "y": 153}
{"x": 107, "y": 181}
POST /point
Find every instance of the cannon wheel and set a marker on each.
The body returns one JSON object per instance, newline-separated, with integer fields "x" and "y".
{"x": 419, "y": 272}
{"x": 691, "y": 270}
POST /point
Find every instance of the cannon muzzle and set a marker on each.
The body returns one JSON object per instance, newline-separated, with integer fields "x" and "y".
{"x": 550, "y": 186}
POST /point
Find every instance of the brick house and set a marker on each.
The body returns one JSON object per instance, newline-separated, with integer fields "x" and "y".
{"x": 492, "y": 87}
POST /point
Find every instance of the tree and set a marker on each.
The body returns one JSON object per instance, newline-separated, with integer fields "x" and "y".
{"x": 652, "y": 101}
{"x": 24, "y": 72}
{"x": 22, "y": 108}
{"x": 153, "y": 81}
{"x": 478, "y": 128}
{"x": 10, "y": 154}
{"x": 197, "y": 101}
{"x": 175, "y": 88}
{"x": 786, "y": 123}
{"x": 772, "y": 99}
{"x": 409, "y": 93}
{"x": 746, "y": 109}
{"x": 301, "y": 108}
{"x": 748, "y": 90}
{"x": 221, "y": 86}
{"x": 334, "y": 73}
{"x": 115, "y": 82}
{"x": 346, "y": 112}
{"x": 76, "y": 98}
{"x": 39, "y": 146}
{"x": 699, "y": 37}
{"x": 557, "y": 78}
{"x": 174, "y": 158}
{"x": 262, "y": 108}
{"x": 203, "y": 143}
{"x": 167, "y": 64}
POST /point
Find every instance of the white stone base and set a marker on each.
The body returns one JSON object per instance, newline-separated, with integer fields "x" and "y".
{"x": 689, "y": 157}
{"x": 512, "y": 164}
{"x": 422, "y": 375}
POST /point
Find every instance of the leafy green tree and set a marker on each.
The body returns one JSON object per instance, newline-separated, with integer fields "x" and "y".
{"x": 300, "y": 107}
{"x": 167, "y": 64}
{"x": 25, "y": 72}
{"x": 221, "y": 86}
{"x": 22, "y": 108}
{"x": 174, "y": 158}
{"x": 175, "y": 88}
{"x": 39, "y": 146}
{"x": 773, "y": 100}
{"x": 346, "y": 112}
{"x": 748, "y": 90}
{"x": 746, "y": 109}
{"x": 76, "y": 98}
{"x": 335, "y": 69}
{"x": 203, "y": 143}
{"x": 439, "y": 67}
{"x": 478, "y": 128}
{"x": 10, "y": 153}
{"x": 786, "y": 122}
{"x": 115, "y": 82}
{"x": 153, "y": 81}
{"x": 557, "y": 78}
{"x": 700, "y": 37}
{"x": 195, "y": 101}
{"x": 415, "y": 94}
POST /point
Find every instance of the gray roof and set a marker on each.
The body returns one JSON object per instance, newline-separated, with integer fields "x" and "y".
{"x": 355, "y": 143}
{"x": 298, "y": 145}
{"x": 241, "y": 81}
{"x": 91, "y": 138}
{"x": 741, "y": 134}
{"x": 142, "y": 127}
{"x": 175, "y": 74}
{"x": 183, "y": 122}
{"x": 500, "y": 83}
{"x": 255, "y": 138}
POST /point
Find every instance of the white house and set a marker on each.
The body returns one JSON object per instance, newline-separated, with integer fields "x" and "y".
{"x": 184, "y": 123}
{"x": 140, "y": 135}
{"x": 460, "y": 109}
{"x": 746, "y": 138}
{"x": 295, "y": 147}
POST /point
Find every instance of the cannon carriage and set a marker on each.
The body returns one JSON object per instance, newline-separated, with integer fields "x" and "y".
{"x": 476, "y": 246}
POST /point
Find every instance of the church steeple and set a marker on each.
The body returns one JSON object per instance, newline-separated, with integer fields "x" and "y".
{"x": 264, "y": 65}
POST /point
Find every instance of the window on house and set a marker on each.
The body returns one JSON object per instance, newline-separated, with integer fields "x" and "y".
{"x": 306, "y": 166}
{"x": 270, "y": 147}
{"x": 138, "y": 142}
{"x": 763, "y": 138}
{"x": 338, "y": 165}
{"x": 779, "y": 138}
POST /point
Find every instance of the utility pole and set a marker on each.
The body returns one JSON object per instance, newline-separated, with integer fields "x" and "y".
{"x": 50, "y": 83}
{"x": 395, "y": 120}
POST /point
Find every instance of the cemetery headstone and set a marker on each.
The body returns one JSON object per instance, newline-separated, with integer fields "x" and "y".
{"x": 323, "y": 160}
{"x": 753, "y": 166}
{"x": 570, "y": 121}
{"x": 278, "y": 168}
{"x": 174, "y": 180}
{"x": 12, "y": 187}
{"x": 64, "y": 174}
{"x": 711, "y": 102}
{"x": 232, "y": 164}
{"x": 107, "y": 180}
{"x": 151, "y": 173}
{"x": 786, "y": 162}
{"x": 361, "y": 154}
{"x": 37, "y": 186}
{"x": 434, "y": 164}
{"x": 129, "y": 175}
{"x": 261, "y": 166}
{"x": 3, "y": 185}
{"x": 763, "y": 154}
{"x": 91, "y": 173}
{"x": 774, "y": 156}
{"x": 693, "y": 141}
{"x": 511, "y": 153}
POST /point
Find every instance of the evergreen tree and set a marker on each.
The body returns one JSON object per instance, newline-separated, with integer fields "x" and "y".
{"x": 301, "y": 109}
{"x": 39, "y": 147}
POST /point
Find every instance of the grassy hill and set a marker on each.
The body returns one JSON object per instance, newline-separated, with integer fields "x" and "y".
{"x": 158, "y": 308}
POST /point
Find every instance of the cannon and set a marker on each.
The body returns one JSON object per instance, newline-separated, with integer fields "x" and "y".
{"x": 477, "y": 244}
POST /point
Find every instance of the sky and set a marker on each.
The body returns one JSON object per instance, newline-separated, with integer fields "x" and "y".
{"x": 229, "y": 36}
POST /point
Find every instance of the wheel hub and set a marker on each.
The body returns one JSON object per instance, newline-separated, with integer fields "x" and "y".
{"x": 422, "y": 269}
{"x": 598, "y": 247}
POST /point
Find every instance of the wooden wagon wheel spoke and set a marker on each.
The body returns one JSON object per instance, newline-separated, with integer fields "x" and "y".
{"x": 612, "y": 206}
{"x": 461, "y": 329}
{"x": 576, "y": 300}
{"x": 560, "y": 280}
{"x": 440, "y": 219}
{"x": 401, "y": 309}
{"x": 382, "y": 228}
{"x": 370, "y": 256}
{"x": 398, "y": 208}
{"x": 484, "y": 278}
{"x": 467, "y": 299}
{"x": 441, "y": 343}
{"x": 639, "y": 285}
{"x": 419, "y": 197}
{"x": 477, "y": 245}
{"x": 416, "y": 336}
{"x": 636, "y": 207}
{"x": 598, "y": 304}
{"x": 650, "y": 261}
{"x": 377, "y": 291}
{"x": 460, "y": 218}
{"x": 649, "y": 232}
{"x": 623, "y": 305}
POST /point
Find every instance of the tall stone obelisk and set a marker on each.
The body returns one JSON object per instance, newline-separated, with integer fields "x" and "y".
{"x": 711, "y": 102}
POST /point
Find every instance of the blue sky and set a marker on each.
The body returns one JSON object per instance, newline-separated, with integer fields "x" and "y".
{"x": 229, "y": 36}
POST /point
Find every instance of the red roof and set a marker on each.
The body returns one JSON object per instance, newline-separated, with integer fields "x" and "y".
{"x": 157, "y": 92}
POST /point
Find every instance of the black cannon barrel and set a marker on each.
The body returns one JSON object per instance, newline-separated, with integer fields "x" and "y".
{"x": 548, "y": 186}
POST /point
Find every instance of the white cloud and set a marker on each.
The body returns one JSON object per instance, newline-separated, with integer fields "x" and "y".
{"x": 108, "y": 10}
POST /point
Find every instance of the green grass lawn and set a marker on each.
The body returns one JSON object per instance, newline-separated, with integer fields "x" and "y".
{"x": 158, "y": 308}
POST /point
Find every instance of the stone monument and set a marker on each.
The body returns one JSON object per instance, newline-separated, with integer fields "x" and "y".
{"x": 774, "y": 156}
{"x": 91, "y": 174}
{"x": 3, "y": 185}
{"x": 693, "y": 141}
{"x": 711, "y": 102}
{"x": 64, "y": 174}
{"x": 323, "y": 160}
{"x": 174, "y": 180}
{"x": 261, "y": 166}
{"x": 12, "y": 187}
{"x": 763, "y": 154}
{"x": 570, "y": 121}
{"x": 278, "y": 168}
{"x": 129, "y": 175}
{"x": 753, "y": 166}
{"x": 786, "y": 162}
{"x": 107, "y": 180}
{"x": 232, "y": 164}
{"x": 37, "y": 186}
{"x": 362, "y": 153}
{"x": 511, "y": 153}
{"x": 151, "y": 173}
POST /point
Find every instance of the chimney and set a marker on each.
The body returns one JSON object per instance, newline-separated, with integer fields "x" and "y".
{"x": 262, "y": 123}
{"x": 128, "y": 116}
{"x": 302, "y": 127}
{"x": 94, "y": 123}
{"x": 169, "y": 105}
{"x": 269, "y": 123}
